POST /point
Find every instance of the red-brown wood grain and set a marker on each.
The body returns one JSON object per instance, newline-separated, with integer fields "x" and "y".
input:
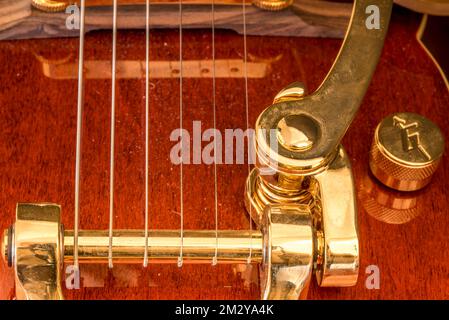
{"x": 37, "y": 156}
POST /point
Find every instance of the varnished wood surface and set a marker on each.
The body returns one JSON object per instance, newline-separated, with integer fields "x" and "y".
{"x": 37, "y": 154}
{"x": 305, "y": 18}
{"x": 18, "y": 20}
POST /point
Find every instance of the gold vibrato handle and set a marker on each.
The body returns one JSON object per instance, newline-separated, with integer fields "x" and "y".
{"x": 36, "y": 246}
{"x": 323, "y": 117}
{"x": 299, "y": 156}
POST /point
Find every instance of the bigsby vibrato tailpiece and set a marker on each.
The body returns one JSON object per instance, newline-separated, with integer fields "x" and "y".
{"x": 301, "y": 194}
{"x": 309, "y": 165}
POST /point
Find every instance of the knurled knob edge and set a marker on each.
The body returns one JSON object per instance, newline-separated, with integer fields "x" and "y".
{"x": 49, "y": 5}
{"x": 398, "y": 175}
{"x": 272, "y": 5}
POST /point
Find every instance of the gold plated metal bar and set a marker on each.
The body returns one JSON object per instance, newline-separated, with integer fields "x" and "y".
{"x": 340, "y": 253}
{"x": 290, "y": 247}
{"x": 199, "y": 246}
{"x": 36, "y": 254}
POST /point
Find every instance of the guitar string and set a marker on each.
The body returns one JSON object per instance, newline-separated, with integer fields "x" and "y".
{"x": 112, "y": 143}
{"x": 147, "y": 111}
{"x": 79, "y": 119}
{"x": 181, "y": 248}
{"x": 215, "y": 259}
{"x": 112, "y": 147}
{"x": 245, "y": 70}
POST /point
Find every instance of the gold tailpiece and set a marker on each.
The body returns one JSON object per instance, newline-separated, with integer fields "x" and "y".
{"x": 301, "y": 195}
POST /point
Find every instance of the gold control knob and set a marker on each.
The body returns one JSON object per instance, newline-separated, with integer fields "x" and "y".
{"x": 272, "y": 5}
{"x": 406, "y": 151}
{"x": 51, "y": 5}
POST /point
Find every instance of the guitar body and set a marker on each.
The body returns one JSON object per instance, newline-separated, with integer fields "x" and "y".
{"x": 409, "y": 245}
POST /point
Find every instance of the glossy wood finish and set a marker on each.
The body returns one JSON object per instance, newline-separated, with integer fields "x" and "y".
{"x": 37, "y": 148}
{"x": 18, "y": 21}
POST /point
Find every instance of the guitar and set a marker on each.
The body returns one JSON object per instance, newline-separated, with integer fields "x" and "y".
{"x": 187, "y": 222}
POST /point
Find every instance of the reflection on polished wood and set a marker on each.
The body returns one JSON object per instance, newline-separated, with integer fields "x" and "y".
{"x": 388, "y": 205}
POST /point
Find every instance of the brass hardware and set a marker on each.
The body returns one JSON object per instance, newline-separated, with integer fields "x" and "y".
{"x": 36, "y": 252}
{"x": 272, "y": 5}
{"x": 292, "y": 133}
{"x": 330, "y": 109}
{"x": 285, "y": 248}
{"x": 330, "y": 197}
{"x": 307, "y": 165}
{"x": 50, "y": 5}
{"x": 295, "y": 134}
{"x": 406, "y": 151}
{"x": 338, "y": 224}
{"x": 128, "y": 246}
{"x": 294, "y": 91}
{"x": 265, "y": 190}
{"x": 289, "y": 251}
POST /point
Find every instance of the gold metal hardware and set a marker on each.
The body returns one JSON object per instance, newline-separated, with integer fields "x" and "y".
{"x": 330, "y": 197}
{"x": 285, "y": 247}
{"x": 338, "y": 224}
{"x": 328, "y": 112}
{"x": 406, "y": 151}
{"x": 50, "y": 5}
{"x": 273, "y": 5}
{"x": 198, "y": 245}
{"x": 293, "y": 133}
{"x": 289, "y": 247}
{"x": 288, "y": 133}
{"x": 35, "y": 251}
{"x": 294, "y": 91}
{"x": 303, "y": 161}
